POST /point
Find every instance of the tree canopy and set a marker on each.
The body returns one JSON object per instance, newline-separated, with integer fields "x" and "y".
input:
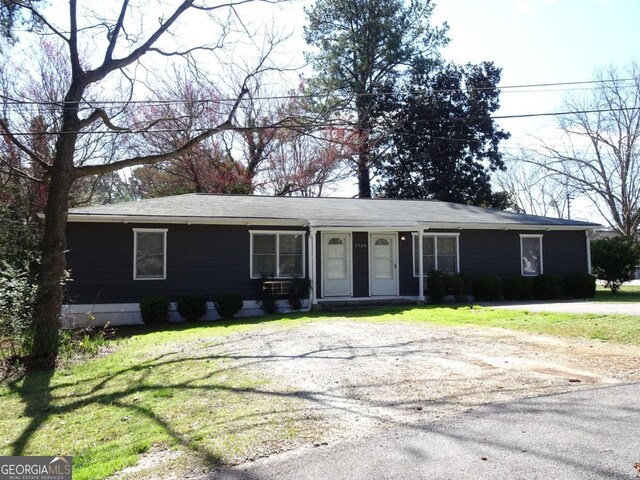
{"x": 104, "y": 69}
{"x": 362, "y": 48}
{"x": 444, "y": 143}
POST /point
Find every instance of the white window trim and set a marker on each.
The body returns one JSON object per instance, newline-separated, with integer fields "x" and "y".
{"x": 277, "y": 275}
{"x": 435, "y": 250}
{"x": 164, "y": 252}
{"x": 539, "y": 237}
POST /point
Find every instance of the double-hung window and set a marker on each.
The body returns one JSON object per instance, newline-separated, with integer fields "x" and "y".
{"x": 277, "y": 254}
{"x": 439, "y": 252}
{"x": 149, "y": 254}
{"x": 531, "y": 255}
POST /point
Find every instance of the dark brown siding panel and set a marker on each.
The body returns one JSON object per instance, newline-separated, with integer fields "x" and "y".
{"x": 201, "y": 260}
{"x": 360, "y": 257}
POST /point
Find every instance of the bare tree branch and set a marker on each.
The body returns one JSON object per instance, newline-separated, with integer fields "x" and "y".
{"x": 100, "y": 114}
{"x": 602, "y": 153}
{"x": 32, "y": 155}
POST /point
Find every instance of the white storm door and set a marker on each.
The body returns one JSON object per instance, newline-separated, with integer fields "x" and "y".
{"x": 384, "y": 266}
{"x": 336, "y": 265}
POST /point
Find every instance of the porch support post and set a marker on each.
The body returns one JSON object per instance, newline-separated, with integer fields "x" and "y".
{"x": 588, "y": 240}
{"x": 420, "y": 268}
{"x": 312, "y": 266}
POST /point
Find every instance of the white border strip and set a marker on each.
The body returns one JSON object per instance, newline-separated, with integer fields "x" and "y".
{"x": 81, "y": 315}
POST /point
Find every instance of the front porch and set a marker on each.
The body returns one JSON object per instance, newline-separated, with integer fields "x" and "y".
{"x": 339, "y": 305}
{"x": 374, "y": 265}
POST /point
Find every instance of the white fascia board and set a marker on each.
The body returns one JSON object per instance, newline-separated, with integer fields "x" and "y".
{"x": 299, "y": 222}
{"x": 185, "y": 220}
{"x": 404, "y": 228}
{"x": 502, "y": 226}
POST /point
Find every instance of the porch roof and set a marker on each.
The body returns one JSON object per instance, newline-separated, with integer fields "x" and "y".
{"x": 323, "y": 212}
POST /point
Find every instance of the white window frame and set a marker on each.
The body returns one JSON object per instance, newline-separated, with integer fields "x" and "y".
{"x": 539, "y": 237}
{"x": 277, "y": 233}
{"x": 164, "y": 252}
{"x": 435, "y": 251}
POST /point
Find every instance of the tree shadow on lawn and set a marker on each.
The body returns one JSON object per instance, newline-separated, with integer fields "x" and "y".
{"x": 130, "y": 331}
{"x": 43, "y": 401}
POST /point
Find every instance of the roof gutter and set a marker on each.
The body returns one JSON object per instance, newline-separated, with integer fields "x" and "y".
{"x": 300, "y": 222}
{"x": 505, "y": 226}
{"x": 80, "y": 218}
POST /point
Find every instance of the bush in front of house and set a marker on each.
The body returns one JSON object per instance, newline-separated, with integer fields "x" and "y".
{"x": 228, "y": 304}
{"x": 154, "y": 310}
{"x": 548, "y": 287}
{"x": 614, "y": 260}
{"x": 266, "y": 297}
{"x": 580, "y": 285}
{"x": 192, "y": 307}
{"x": 518, "y": 288}
{"x": 300, "y": 288}
{"x": 436, "y": 286}
{"x": 459, "y": 284}
{"x": 487, "y": 288}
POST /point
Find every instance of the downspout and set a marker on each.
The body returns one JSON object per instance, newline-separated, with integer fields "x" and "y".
{"x": 587, "y": 235}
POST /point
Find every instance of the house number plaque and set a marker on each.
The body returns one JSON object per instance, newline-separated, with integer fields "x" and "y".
{"x": 360, "y": 245}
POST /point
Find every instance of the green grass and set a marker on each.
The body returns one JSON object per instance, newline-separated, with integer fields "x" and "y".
{"x": 628, "y": 293}
{"x": 159, "y": 388}
{"x": 170, "y": 388}
{"x": 613, "y": 328}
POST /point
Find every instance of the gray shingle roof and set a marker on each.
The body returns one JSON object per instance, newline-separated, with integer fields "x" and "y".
{"x": 316, "y": 212}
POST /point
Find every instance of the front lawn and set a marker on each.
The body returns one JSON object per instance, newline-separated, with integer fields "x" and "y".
{"x": 158, "y": 389}
{"x": 628, "y": 293}
{"x": 183, "y": 389}
{"x": 614, "y": 328}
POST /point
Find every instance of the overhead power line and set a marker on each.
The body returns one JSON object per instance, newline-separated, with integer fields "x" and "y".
{"x": 159, "y": 102}
{"x": 338, "y": 123}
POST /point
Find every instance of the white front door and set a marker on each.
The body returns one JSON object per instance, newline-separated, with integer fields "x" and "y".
{"x": 384, "y": 266}
{"x": 336, "y": 265}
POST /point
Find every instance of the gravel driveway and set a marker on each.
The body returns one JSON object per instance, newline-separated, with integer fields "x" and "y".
{"x": 355, "y": 377}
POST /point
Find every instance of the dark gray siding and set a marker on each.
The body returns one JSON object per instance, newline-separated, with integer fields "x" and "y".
{"x": 317, "y": 274}
{"x": 360, "y": 256}
{"x": 201, "y": 260}
{"x": 212, "y": 259}
{"x": 497, "y": 252}
{"x": 564, "y": 252}
{"x": 408, "y": 283}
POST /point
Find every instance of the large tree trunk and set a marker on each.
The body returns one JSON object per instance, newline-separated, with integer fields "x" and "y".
{"x": 364, "y": 175}
{"x": 48, "y": 309}
{"x": 53, "y": 264}
{"x": 363, "y": 165}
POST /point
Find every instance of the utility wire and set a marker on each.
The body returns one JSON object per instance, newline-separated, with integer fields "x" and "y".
{"x": 324, "y": 95}
{"x": 338, "y": 123}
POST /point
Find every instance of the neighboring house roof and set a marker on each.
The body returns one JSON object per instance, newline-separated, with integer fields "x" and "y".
{"x": 315, "y": 212}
